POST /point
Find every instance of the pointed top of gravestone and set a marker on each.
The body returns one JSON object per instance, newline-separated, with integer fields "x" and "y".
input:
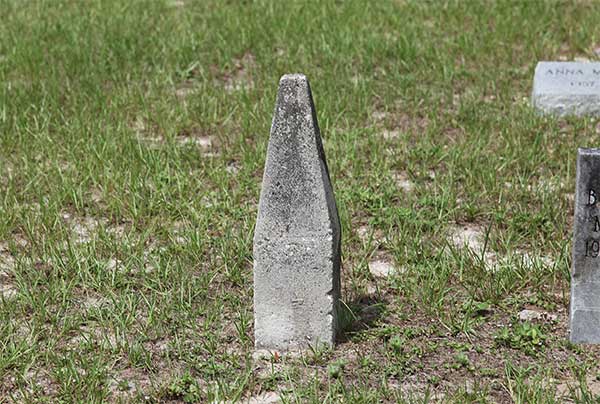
{"x": 293, "y": 76}
{"x": 297, "y": 196}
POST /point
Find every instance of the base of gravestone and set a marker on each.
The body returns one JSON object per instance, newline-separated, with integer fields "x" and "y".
{"x": 271, "y": 355}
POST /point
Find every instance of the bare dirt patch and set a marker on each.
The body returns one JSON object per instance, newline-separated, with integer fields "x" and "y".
{"x": 233, "y": 167}
{"x": 139, "y": 125}
{"x": 196, "y": 137}
{"x": 369, "y": 235}
{"x": 239, "y": 76}
{"x": 403, "y": 181}
{"x": 93, "y": 334}
{"x": 176, "y": 4}
{"x": 382, "y": 265}
{"x": 379, "y": 116}
{"x": 8, "y": 173}
{"x": 548, "y": 185}
{"x": 7, "y": 291}
{"x": 207, "y": 143}
{"x": 185, "y": 89}
{"x": 390, "y": 134}
{"x": 472, "y": 237}
{"x": 95, "y": 302}
{"x": 7, "y": 261}
{"x": 147, "y": 133}
{"x": 381, "y": 268}
{"x": 533, "y": 315}
{"x": 395, "y": 124}
{"x": 83, "y": 228}
{"x": 129, "y": 383}
{"x": 263, "y": 398}
{"x": 592, "y": 385}
{"x": 39, "y": 381}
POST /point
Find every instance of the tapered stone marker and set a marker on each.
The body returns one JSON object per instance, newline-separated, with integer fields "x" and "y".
{"x": 297, "y": 236}
{"x": 585, "y": 277}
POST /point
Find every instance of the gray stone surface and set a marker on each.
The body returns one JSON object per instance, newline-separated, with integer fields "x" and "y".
{"x": 567, "y": 88}
{"x": 297, "y": 236}
{"x": 585, "y": 277}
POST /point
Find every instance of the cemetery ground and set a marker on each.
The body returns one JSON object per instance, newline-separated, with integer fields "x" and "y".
{"x": 133, "y": 137}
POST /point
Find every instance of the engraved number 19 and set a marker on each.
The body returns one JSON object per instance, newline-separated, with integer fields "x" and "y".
{"x": 592, "y": 248}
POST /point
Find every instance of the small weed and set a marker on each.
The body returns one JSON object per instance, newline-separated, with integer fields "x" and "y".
{"x": 524, "y": 336}
{"x": 270, "y": 382}
{"x": 542, "y": 301}
{"x": 462, "y": 360}
{"x": 396, "y": 344}
{"x": 319, "y": 354}
{"x": 434, "y": 380}
{"x": 123, "y": 385}
{"x": 413, "y": 332}
{"x": 488, "y": 372}
{"x": 336, "y": 369}
{"x": 477, "y": 309}
{"x": 185, "y": 388}
{"x": 368, "y": 364}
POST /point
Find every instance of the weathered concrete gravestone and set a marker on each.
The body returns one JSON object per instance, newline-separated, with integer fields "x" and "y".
{"x": 567, "y": 88}
{"x": 585, "y": 277}
{"x": 297, "y": 236}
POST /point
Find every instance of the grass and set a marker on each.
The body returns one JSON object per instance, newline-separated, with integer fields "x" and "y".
{"x": 132, "y": 143}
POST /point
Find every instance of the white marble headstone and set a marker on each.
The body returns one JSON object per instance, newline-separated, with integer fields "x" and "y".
{"x": 567, "y": 88}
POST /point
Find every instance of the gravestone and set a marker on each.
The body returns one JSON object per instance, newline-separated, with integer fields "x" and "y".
{"x": 297, "y": 235}
{"x": 585, "y": 277}
{"x": 567, "y": 88}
